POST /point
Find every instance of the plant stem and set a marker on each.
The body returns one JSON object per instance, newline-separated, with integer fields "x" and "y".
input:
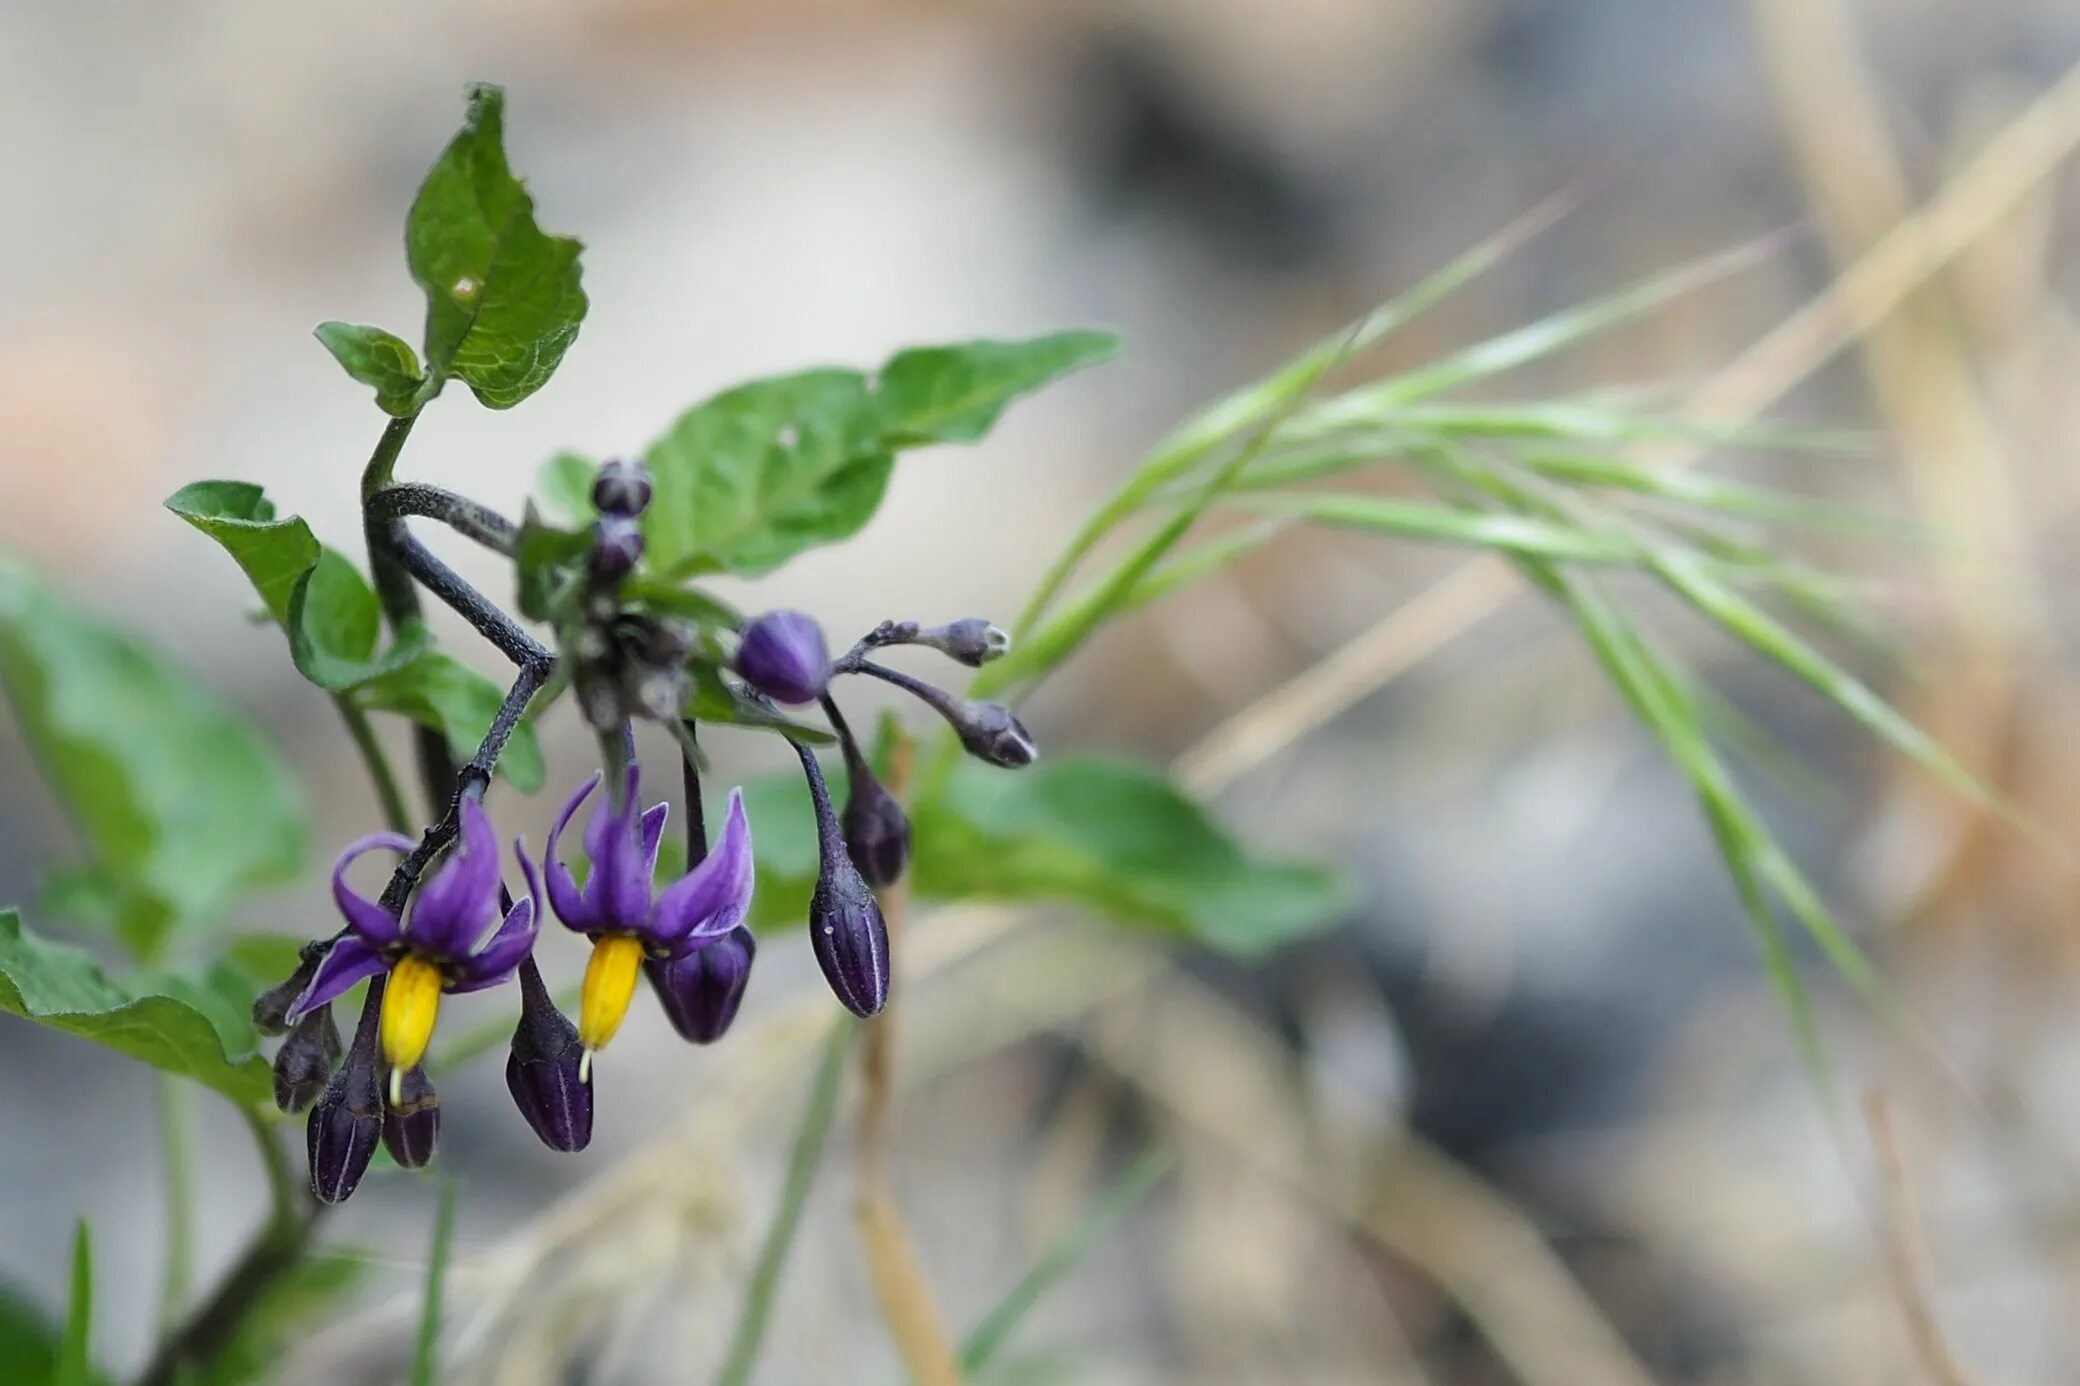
{"x": 459, "y": 513}
{"x": 389, "y": 797}
{"x": 174, "y": 1140}
{"x": 802, "y": 1158}
{"x": 274, "y": 1250}
{"x": 425, "y": 1350}
{"x": 399, "y": 599}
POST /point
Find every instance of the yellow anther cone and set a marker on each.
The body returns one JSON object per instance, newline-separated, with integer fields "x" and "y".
{"x": 610, "y": 983}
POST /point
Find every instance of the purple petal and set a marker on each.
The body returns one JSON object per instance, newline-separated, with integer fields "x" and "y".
{"x": 653, "y": 834}
{"x": 714, "y": 897}
{"x": 514, "y": 939}
{"x": 571, "y": 907}
{"x": 350, "y": 961}
{"x": 369, "y": 919}
{"x": 618, "y": 891}
{"x": 451, "y": 910}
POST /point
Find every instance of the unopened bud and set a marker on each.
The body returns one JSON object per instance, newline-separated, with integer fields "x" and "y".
{"x": 271, "y": 1007}
{"x": 989, "y": 731}
{"x": 622, "y": 488}
{"x": 343, "y": 1129}
{"x": 783, "y": 655}
{"x": 617, "y": 546}
{"x": 546, "y": 1072}
{"x": 974, "y": 641}
{"x": 700, "y": 991}
{"x": 303, "y": 1065}
{"x": 877, "y": 831}
{"x": 412, "y": 1123}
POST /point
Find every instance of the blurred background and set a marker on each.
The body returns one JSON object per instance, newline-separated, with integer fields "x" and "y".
{"x": 1531, "y": 1114}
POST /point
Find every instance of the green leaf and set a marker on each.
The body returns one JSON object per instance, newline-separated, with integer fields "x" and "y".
{"x": 315, "y": 594}
{"x": 378, "y": 359}
{"x": 192, "y": 1028}
{"x": 751, "y": 477}
{"x": 1119, "y": 839}
{"x": 438, "y": 691}
{"x": 716, "y": 699}
{"x": 503, "y": 301}
{"x": 292, "y": 1303}
{"x": 75, "y": 1365}
{"x": 175, "y": 793}
{"x": 954, "y": 394}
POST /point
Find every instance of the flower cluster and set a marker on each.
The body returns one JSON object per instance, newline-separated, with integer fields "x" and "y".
{"x": 461, "y": 931}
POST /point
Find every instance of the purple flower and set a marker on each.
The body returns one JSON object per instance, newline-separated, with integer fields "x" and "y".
{"x": 846, "y": 929}
{"x": 543, "y": 1069}
{"x": 617, "y": 912}
{"x": 783, "y": 656}
{"x": 440, "y": 949}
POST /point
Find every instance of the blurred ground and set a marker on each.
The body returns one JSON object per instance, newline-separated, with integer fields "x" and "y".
{"x": 1548, "y": 980}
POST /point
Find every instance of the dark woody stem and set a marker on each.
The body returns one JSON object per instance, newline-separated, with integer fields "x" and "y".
{"x": 938, "y": 699}
{"x": 490, "y": 621}
{"x": 696, "y": 816}
{"x": 459, "y": 513}
{"x": 830, "y": 839}
{"x": 855, "y": 763}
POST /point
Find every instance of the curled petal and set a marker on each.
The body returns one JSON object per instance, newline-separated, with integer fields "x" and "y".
{"x": 618, "y": 891}
{"x": 350, "y": 961}
{"x": 714, "y": 897}
{"x": 513, "y": 941}
{"x": 452, "y": 909}
{"x": 571, "y": 907}
{"x": 370, "y": 920}
{"x": 653, "y": 834}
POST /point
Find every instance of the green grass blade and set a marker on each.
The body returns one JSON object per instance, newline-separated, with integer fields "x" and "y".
{"x": 1429, "y": 522}
{"x": 75, "y": 1364}
{"x": 1059, "y": 1259}
{"x": 1548, "y": 335}
{"x": 1686, "y": 486}
{"x": 1696, "y": 584}
{"x": 426, "y": 1350}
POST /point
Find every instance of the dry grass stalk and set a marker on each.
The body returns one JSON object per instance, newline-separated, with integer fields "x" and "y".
{"x": 1905, "y": 1253}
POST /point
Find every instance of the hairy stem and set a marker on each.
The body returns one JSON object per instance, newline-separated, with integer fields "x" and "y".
{"x": 466, "y": 517}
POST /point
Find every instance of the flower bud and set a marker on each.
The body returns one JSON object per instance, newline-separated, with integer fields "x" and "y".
{"x": 303, "y": 1065}
{"x": 617, "y": 546}
{"x": 341, "y": 1134}
{"x": 846, "y": 930}
{"x": 849, "y": 937}
{"x": 974, "y": 641}
{"x": 622, "y": 488}
{"x": 783, "y": 656}
{"x": 877, "y": 831}
{"x": 545, "y": 1071}
{"x": 700, "y": 991}
{"x": 412, "y": 1123}
{"x": 989, "y": 731}
{"x": 271, "y": 1007}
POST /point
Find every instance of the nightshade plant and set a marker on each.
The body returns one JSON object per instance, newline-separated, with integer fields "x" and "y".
{"x": 182, "y": 808}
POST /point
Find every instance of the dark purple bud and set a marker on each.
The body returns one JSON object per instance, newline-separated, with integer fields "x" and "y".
{"x": 341, "y": 1134}
{"x": 701, "y": 990}
{"x": 877, "y": 831}
{"x": 974, "y": 641}
{"x": 783, "y": 656}
{"x": 303, "y": 1065}
{"x": 271, "y": 1007}
{"x": 849, "y": 938}
{"x": 988, "y": 731}
{"x": 622, "y": 488}
{"x": 617, "y": 546}
{"x": 846, "y": 930}
{"x": 545, "y": 1071}
{"x": 412, "y": 1124}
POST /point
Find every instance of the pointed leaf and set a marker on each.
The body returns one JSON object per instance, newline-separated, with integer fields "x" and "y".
{"x": 75, "y": 1365}
{"x": 954, "y": 394}
{"x": 503, "y": 300}
{"x": 192, "y": 1028}
{"x": 385, "y": 363}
